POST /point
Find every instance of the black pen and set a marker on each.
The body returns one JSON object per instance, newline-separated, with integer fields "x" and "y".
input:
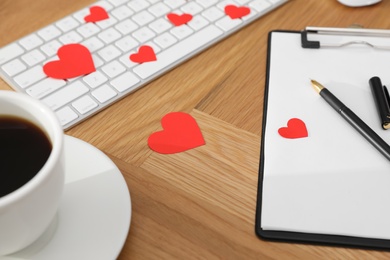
{"x": 353, "y": 119}
{"x": 382, "y": 99}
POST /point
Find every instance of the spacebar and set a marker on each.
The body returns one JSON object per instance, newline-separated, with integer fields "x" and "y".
{"x": 174, "y": 54}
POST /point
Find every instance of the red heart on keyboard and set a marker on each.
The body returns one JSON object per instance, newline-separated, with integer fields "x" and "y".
{"x": 236, "y": 12}
{"x": 145, "y": 54}
{"x": 74, "y": 60}
{"x": 97, "y": 13}
{"x": 296, "y": 128}
{"x": 178, "y": 20}
{"x": 181, "y": 132}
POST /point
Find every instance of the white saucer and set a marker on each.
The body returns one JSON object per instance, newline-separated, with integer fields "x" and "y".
{"x": 94, "y": 216}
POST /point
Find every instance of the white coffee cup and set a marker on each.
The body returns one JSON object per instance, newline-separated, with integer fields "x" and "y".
{"x": 27, "y": 212}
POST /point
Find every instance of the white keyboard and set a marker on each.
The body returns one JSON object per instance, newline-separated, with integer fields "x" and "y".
{"x": 130, "y": 25}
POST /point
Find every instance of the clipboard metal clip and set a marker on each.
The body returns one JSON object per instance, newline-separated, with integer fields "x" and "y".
{"x": 343, "y": 32}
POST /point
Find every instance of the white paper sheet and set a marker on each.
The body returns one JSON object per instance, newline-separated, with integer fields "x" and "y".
{"x": 333, "y": 181}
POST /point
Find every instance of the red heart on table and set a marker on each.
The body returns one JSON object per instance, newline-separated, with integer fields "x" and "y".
{"x": 145, "y": 54}
{"x": 178, "y": 20}
{"x": 74, "y": 60}
{"x": 96, "y": 13}
{"x": 296, "y": 128}
{"x": 235, "y": 12}
{"x": 181, "y": 132}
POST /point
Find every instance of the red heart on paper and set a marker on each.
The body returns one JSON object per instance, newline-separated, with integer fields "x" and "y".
{"x": 181, "y": 132}
{"x": 96, "y": 13}
{"x": 145, "y": 54}
{"x": 74, "y": 60}
{"x": 296, "y": 128}
{"x": 236, "y": 12}
{"x": 178, "y": 20}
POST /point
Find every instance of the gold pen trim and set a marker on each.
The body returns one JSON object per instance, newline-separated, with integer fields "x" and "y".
{"x": 386, "y": 125}
{"x": 317, "y": 86}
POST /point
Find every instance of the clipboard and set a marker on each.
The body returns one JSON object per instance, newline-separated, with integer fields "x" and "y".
{"x": 331, "y": 186}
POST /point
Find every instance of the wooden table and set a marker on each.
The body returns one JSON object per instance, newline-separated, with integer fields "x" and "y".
{"x": 199, "y": 204}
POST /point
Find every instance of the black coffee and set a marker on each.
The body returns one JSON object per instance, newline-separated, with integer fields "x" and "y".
{"x": 24, "y": 149}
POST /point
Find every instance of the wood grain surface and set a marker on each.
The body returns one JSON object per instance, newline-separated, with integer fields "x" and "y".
{"x": 199, "y": 204}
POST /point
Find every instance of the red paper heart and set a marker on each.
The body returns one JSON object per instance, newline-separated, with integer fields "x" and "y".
{"x": 236, "y": 12}
{"x": 74, "y": 60}
{"x": 178, "y": 20}
{"x": 97, "y": 13}
{"x": 181, "y": 133}
{"x": 296, "y": 128}
{"x": 145, "y": 54}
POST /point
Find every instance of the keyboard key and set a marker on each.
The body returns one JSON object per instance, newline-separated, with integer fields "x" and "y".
{"x": 192, "y": 8}
{"x": 175, "y": 3}
{"x": 113, "y": 69}
{"x": 182, "y": 31}
{"x": 67, "y": 24}
{"x": 160, "y": 25}
{"x": 117, "y": 2}
{"x": 14, "y": 67}
{"x": 95, "y": 79}
{"x": 104, "y": 93}
{"x": 30, "y": 42}
{"x": 122, "y": 12}
{"x": 45, "y": 87}
{"x": 125, "y": 60}
{"x": 49, "y": 33}
{"x": 109, "y": 53}
{"x": 65, "y": 95}
{"x": 97, "y": 61}
{"x": 84, "y": 104}
{"x": 207, "y": 3}
{"x": 109, "y": 35}
{"x": 126, "y": 43}
{"x": 259, "y": 5}
{"x": 9, "y": 52}
{"x": 178, "y": 51}
{"x": 212, "y": 14}
{"x": 138, "y": 5}
{"x": 51, "y": 48}
{"x": 105, "y": 4}
{"x": 79, "y": 15}
{"x": 221, "y": 5}
{"x": 125, "y": 82}
{"x": 30, "y": 76}
{"x": 244, "y": 2}
{"x": 71, "y": 37}
{"x": 165, "y": 40}
{"x": 88, "y": 30}
{"x": 250, "y": 16}
{"x": 198, "y": 22}
{"x": 126, "y": 27}
{"x": 226, "y": 23}
{"x": 159, "y": 9}
{"x": 104, "y": 24}
{"x": 154, "y": 46}
{"x": 93, "y": 44}
{"x": 33, "y": 57}
{"x": 66, "y": 115}
{"x": 142, "y": 18}
{"x": 144, "y": 34}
